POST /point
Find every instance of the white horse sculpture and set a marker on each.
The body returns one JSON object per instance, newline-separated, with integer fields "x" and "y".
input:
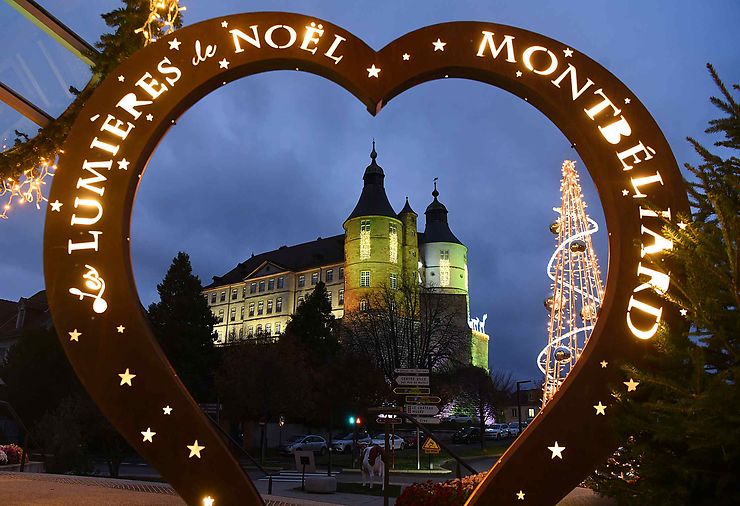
{"x": 373, "y": 464}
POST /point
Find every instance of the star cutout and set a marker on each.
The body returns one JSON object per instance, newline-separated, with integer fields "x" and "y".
{"x": 683, "y": 312}
{"x": 406, "y": 57}
{"x": 56, "y": 206}
{"x": 94, "y": 118}
{"x": 627, "y": 100}
{"x": 123, "y": 164}
{"x": 167, "y": 410}
{"x": 175, "y": 44}
{"x": 126, "y": 378}
{"x": 120, "y": 329}
{"x": 631, "y": 385}
{"x": 625, "y": 192}
{"x": 568, "y": 52}
{"x": 439, "y": 45}
{"x": 600, "y": 409}
{"x": 520, "y": 495}
{"x": 557, "y": 451}
{"x": 224, "y": 64}
{"x": 682, "y": 225}
{"x": 519, "y": 73}
{"x": 74, "y": 335}
{"x": 224, "y": 24}
{"x": 604, "y": 363}
{"x": 195, "y": 449}
{"x": 373, "y": 71}
{"x": 148, "y": 434}
{"x": 208, "y": 501}
{"x": 121, "y": 79}
{"x": 149, "y": 117}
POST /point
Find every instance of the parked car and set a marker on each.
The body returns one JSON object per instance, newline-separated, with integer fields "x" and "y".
{"x": 410, "y": 439}
{"x": 514, "y": 429}
{"x": 497, "y": 431}
{"x": 395, "y": 442}
{"x": 344, "y": 443}
{"x": 466, "y": 435}
{"x": 311, "y": 443}
{"x": 462, "y": 419}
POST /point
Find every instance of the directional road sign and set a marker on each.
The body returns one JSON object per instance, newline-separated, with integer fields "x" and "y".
{"x": 422, "y": 409}
{"x": 391, "y": 421}
{"x": 411, "y": 390}
{"x": 430, "y": 446}
{"x": 422, "y": 399}
{"x": 385, "y": 409}
{"x": 412, "y": 380}
{"x": 412, "y": 371}
{"x": 428, "y": 420}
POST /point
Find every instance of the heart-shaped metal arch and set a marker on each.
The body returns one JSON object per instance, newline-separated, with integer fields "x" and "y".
{"x": 90, "y": 283}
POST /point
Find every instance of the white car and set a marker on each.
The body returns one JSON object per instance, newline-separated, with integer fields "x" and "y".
{"x": 463, "y": 419}
{"x": 394, "y": 442}
{"x": 344, "y": 444}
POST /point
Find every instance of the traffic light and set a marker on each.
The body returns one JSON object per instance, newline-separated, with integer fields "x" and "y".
{"x": 358, "y": 421}
{"x": 351, "y": 420}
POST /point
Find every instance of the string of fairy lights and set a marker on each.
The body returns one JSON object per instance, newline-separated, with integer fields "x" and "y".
{"x": 27, "y": 189}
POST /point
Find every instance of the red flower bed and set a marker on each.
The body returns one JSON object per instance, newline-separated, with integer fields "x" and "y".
{"x": 447, "y": 493}
{"x": 14, "y": 452}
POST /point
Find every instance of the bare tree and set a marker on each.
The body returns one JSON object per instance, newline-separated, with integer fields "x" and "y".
{"x": 411, "y": 327}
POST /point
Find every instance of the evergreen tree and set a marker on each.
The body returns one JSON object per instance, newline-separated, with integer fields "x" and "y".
{"x": 183, "y": 325}
{"x": 682, "y": 429}
{"x": 313, "y": 324}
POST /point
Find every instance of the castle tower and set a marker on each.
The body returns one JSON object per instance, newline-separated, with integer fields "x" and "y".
{"x": 444, "y": 257}
{"x": 409, "y": 244}
{"x": 372, "y": 243}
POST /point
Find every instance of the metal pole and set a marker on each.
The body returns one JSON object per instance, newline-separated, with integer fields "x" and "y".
{"x": 386, "y": 489}
{"x": 418, "y": 449}
{"x": 329, "y": 450}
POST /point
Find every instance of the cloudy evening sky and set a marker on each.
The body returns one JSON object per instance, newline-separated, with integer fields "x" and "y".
{"x": 278, "y": 158}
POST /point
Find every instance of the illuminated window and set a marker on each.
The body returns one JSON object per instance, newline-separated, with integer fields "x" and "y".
{"x": 213, "y": 298}
{"x": 279, "y": 305}
{"x": 253, "y": 288}
{"x": 328, "y": 297}
{"x": 330, "y": 275}
{"x": 262, "y": 286}
{"x": 530, "y": 413}
{"x": 242, "y": 312}
{"x": 268, "y": 329}
{"x": 250, "y": 331}
{"x": 223, "y": 297}
{"x": 301, "y": 281}
{"x": 444, "y": 267}
{"x": 259, "y": 330}
{"x": 314, "y": 278}
{"x": 234, "y": 293}
{"x": 394, "y": 280}
{"x": 300, "y": 300}
{"x": 269, "y": 306}
{"x": 444, "y": 254}
{"x": 260, "y": 307}
{"x": 364, "y": 278}
{"x": 251, "y": 309}
{"x": 277, "y": 328}
{"x": 244, "y": 292}
{"x": 220, "y": 316}
{"x": 241, "y": 332}
{"x": 393, "y": 243}
{"x": 233, "y": 314}
{"x": 341, "y": 273}
{"x": 281, "y": 282}
{"x": 363, "y": 305}
{"x": 341, "y": 297}
{"x": 364, "y": 239}
{"x": 271, "y": 284}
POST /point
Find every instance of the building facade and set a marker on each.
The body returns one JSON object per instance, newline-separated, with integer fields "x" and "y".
{"x": 379, "y": 248}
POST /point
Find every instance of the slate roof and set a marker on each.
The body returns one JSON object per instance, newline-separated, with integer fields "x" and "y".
{"x": 437, "y": 229}
{"x": 373, "y": 200}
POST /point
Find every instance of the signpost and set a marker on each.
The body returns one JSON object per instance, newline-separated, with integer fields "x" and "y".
{"x": 430, "y": 447}
{"x": 428, "y": 420}
{"x": 422, "y": 399}
{"x": 412, "y": 380}
{"x": 411, "y": 390}
{"x": 422, "y": 409}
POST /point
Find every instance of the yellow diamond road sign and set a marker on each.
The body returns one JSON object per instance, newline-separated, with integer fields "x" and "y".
{"x": 430, "y": 446}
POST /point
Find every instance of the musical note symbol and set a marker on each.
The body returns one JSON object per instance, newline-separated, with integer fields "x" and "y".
{"x": 96, "y": 285}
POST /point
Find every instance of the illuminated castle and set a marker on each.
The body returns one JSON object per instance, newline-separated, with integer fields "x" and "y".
{"x": 380, "y": 248}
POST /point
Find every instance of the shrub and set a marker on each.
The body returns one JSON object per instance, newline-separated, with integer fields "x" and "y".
{"x": 12, "y": 453}
{"x": 447, "y": 493}
{"x": 3, "y": 458}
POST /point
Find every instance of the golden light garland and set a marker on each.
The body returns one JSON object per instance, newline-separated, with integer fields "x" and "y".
{"x": 162, "y": 17}
{"x": 27, "y": 189}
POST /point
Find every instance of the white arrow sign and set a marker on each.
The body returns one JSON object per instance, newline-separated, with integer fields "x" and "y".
{"x": 428, "y": 420}
{"x": 412, "y": 371}
{"x": 421, "y": 409}
{"x": 413, "y": 381}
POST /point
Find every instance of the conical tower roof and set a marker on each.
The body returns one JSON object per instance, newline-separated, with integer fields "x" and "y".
{"x": 407, "y": 209}
{"x": 373, "y": 200}
{"x": 436, "y": 228}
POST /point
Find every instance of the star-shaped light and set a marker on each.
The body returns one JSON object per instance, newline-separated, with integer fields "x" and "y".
{"x": 568, "y": 52}
{"x": 373, "y": 71}
{"x": 56, "y": 206}
{"x": 126, "y": 378}
{"x": 175, "y": 44}
{"x": 167, "y": 410}
{"x": 148, "y": 435}
{"x": 224, "y": 23}
{"x": 631, "y": 385}
{"x": 682, "y": 225}
{"x": 224, "y": 64}
{"x": 557, "y": 451}
{"x": 406, "y": 57}
{"x": 684, "y": 312}
{"x": 120, "y": 329}
{"x": 625, "y": 192}
{"x": 520, "y": 495}
{"x": 604, "y": 363}
{"x": 121, "y": 79}
{"x": 627, "y": 100}
{"x": 195, "y": 449}
{"x": 74, "y": 335}
{"x": 208, "y": 501}
{"x": 439, "y": 45}
{"x": 149, "y": 117}
{"x": 600, "y": 409}
{"x": 519, "y": 73}
{"x": 123, "y": 164}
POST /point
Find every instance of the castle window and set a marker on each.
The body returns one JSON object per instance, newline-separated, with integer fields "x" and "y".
{"x": 213, "y": 298}
{"x": 364, "y": 239}
{"x": 328, "y": 297}
{"x": 277, "y": 328}
{"x": 301, "y": 281}
{"x": 241, "y": 332}
{"x": 268, "y": 329}
{"x": 329, "y": 275}
{"x": 314, "y": 278}
{"x": 251, "y": 309}
{"x": 250, "y": 331}
{"x": 260, "y": 307}
{"x": 444, "y": 254}
{"x": 363, "y": 305}
{"x": 279, "y": 305}
{"x": 253, "y": 288}
{"x": 269, "y": 306}
{"x": 223, "y": 297}
{"x": 262, "y": 286}
{"x": 281, "y": 282}
{"x": 220, "y": 316}
{"x": 300, "y": 300}
{"x": 242, "y": 312}
{"x": 271, "y": 284}
{"x": 341, "y": 273}
{"x": 244, "y": 292}
{"x": 444, "y": 267}
{"x": 234, "y": 293}
{"x": 233, "y": 314}
{"x": 394, "y": 280}
{"x": 259, "y": 330}
{"x": 393, "y": 243}
{"x": 341, "y": 297}
{"x": 364, "y": 278}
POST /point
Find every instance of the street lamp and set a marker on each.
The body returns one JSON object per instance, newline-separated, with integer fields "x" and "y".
{"x": 519, "y": 403}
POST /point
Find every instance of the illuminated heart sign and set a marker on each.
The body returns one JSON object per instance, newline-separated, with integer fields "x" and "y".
{"x": 90, "y": 283}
